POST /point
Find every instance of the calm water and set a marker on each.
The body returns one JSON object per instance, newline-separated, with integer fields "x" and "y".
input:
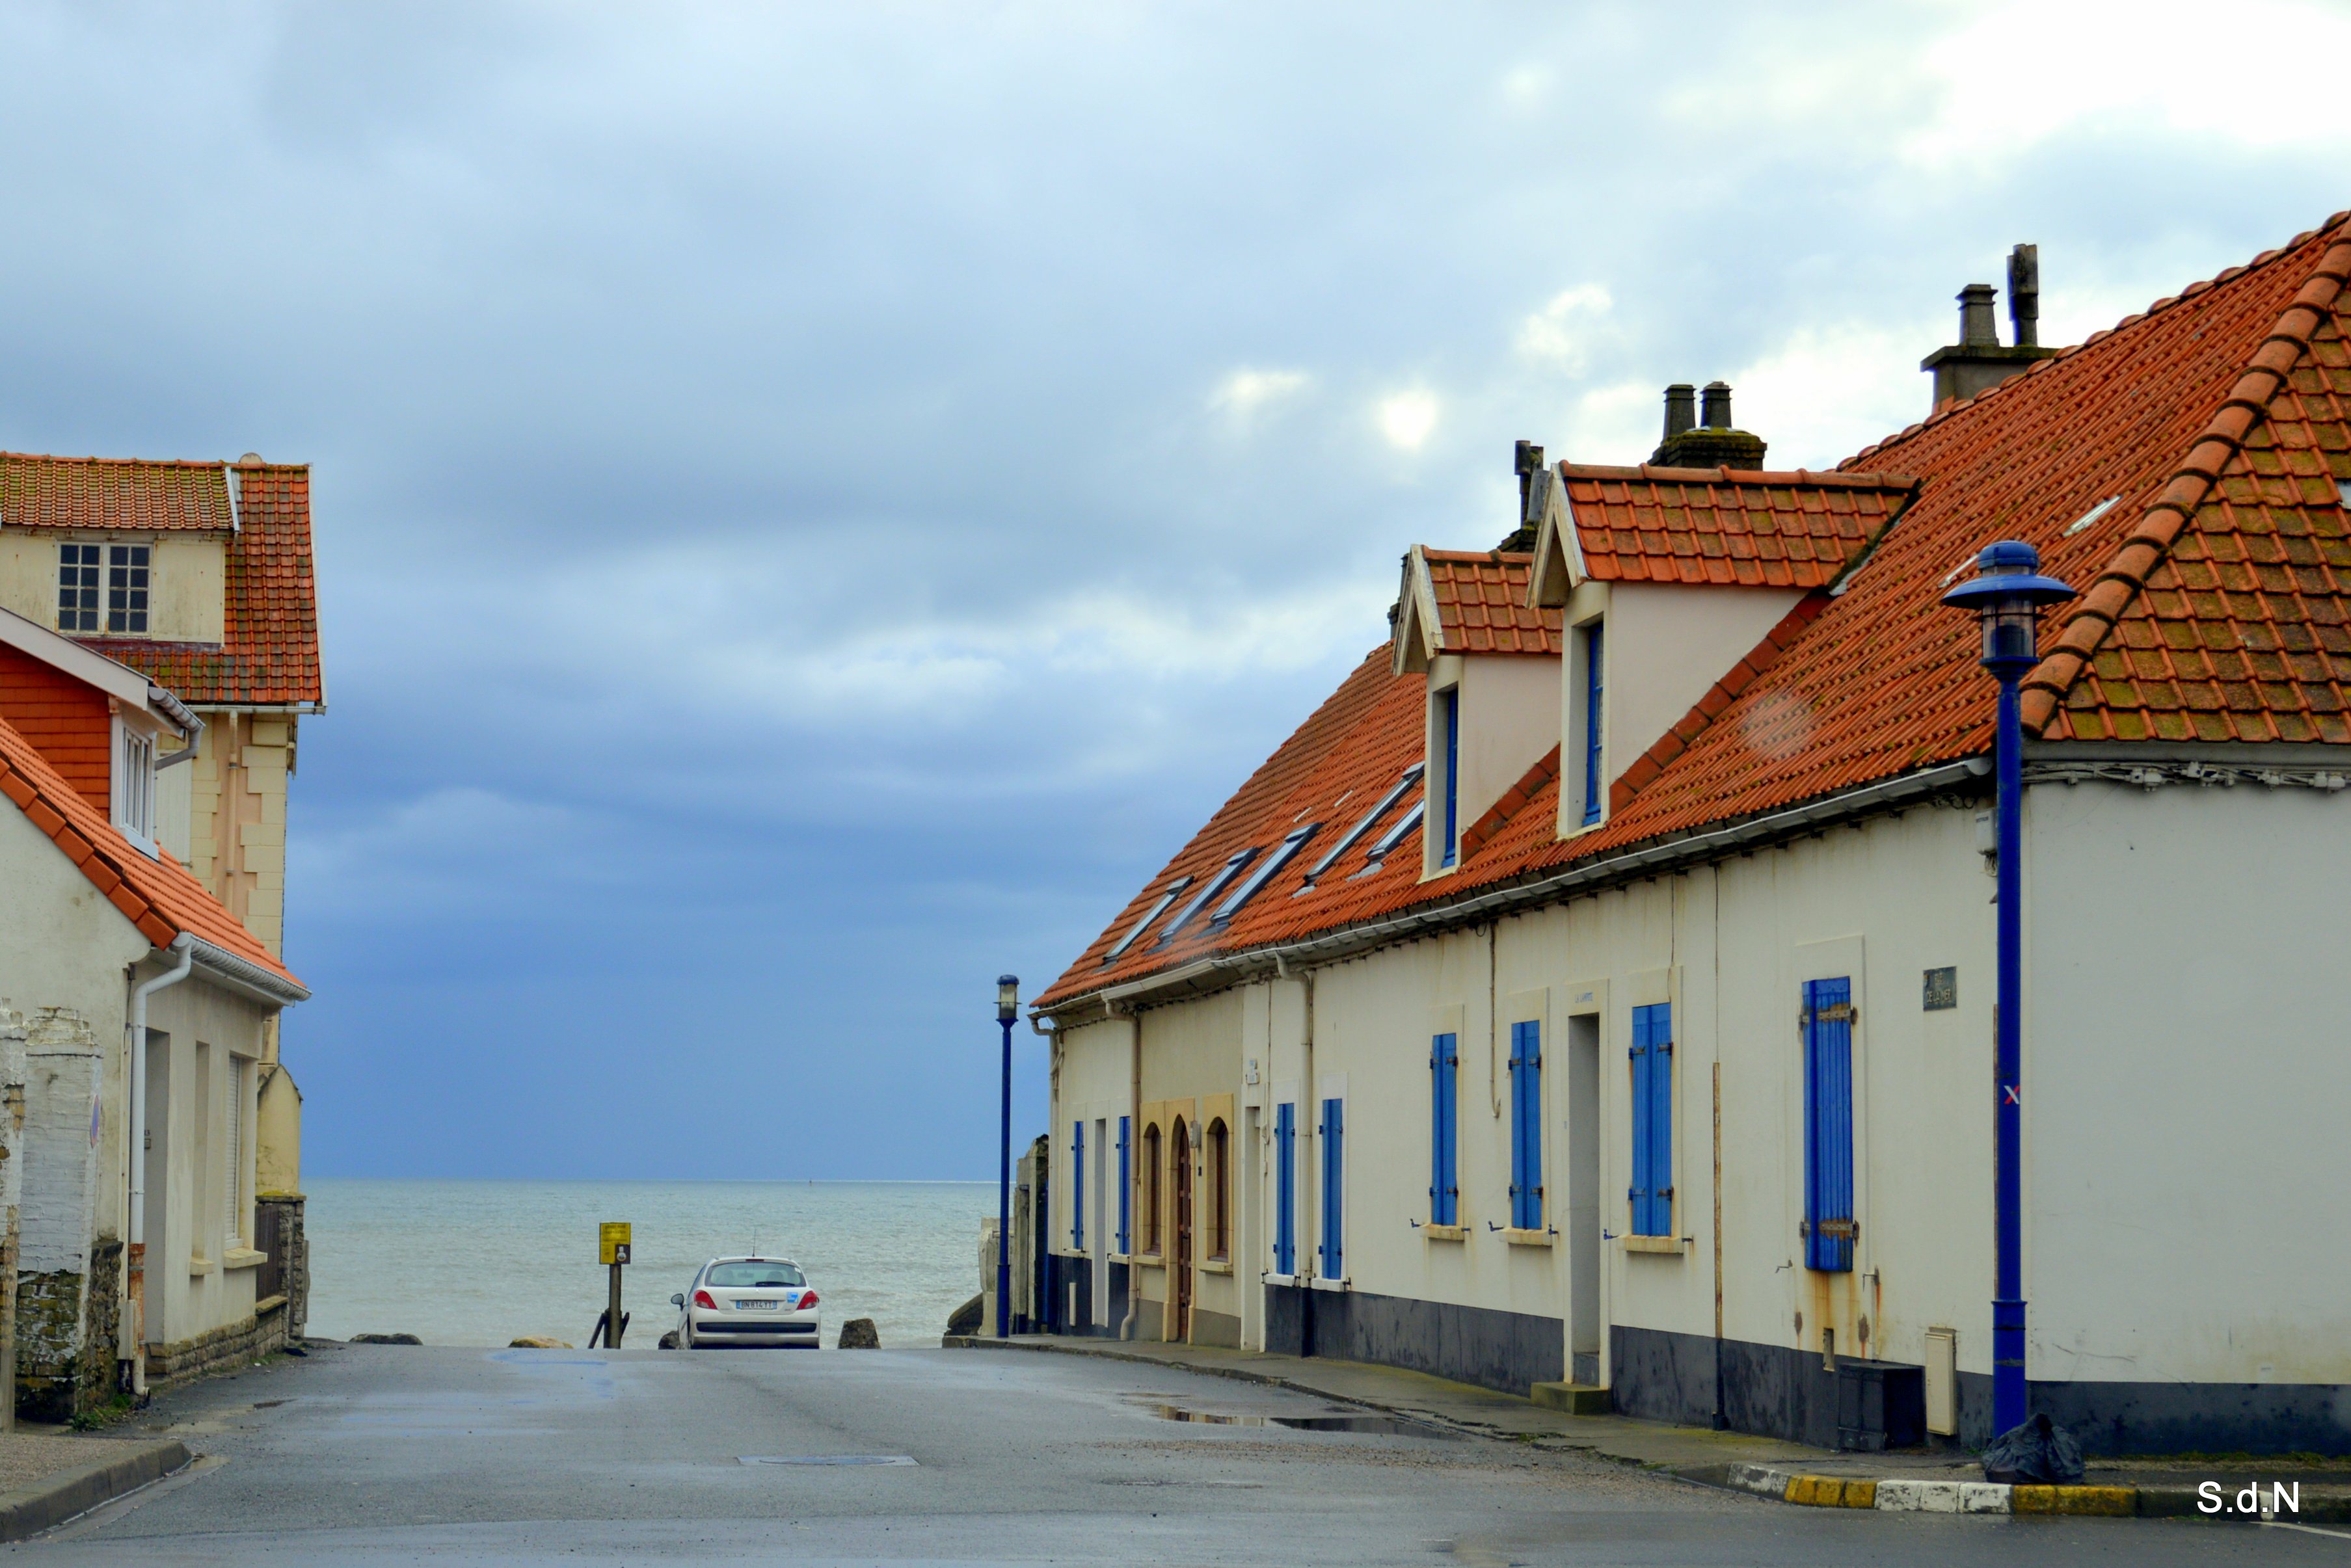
{"x": 480, "y": 1262}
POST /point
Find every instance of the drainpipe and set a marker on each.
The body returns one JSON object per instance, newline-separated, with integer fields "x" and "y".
{"x": 185, "y": 947}
{"x": 1135, "y": 1114}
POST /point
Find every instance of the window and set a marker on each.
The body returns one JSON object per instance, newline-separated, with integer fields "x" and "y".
{"x": 1266, "y": 871}
{"x": 1077, "y": 1185}
{"x": 125, "y": 567}
{"x": 1449, "y": 716}
{"x": 1443, "y": 1130}
{"x": 1333, "y": 1170}
{"x": 1653, "y": 1120}
{"x": 77, "y": 587}
{"x": 232, "y": 1149}
{"x": 1354, "y": 835}
{"x": 1215, "y": 1149}
{"x": 1285, "y": 1189}
{"x": 126, "y": 588}
{"x": 1526, "y": 1126}
{"x": 1829, "y": 1228}
{"x": 756, "y": 1274}
{"x": 1126, "y": 1183}
{"x": 1216, "y": 884}
{"x": 1174, "y": 889}
{"x": 134, "y": 786}
{"x": 1151, "y": 1181}
{"x": 1593, "y": 688}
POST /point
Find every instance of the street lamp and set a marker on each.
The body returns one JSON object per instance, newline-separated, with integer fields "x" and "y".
{"x": 2007, "y": 594}
{"x": 1007, "y": 1009}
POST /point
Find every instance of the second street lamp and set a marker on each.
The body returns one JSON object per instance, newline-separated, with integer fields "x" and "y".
{"x": 1007, "y": 1009}
{"x": 2007, "y": 594}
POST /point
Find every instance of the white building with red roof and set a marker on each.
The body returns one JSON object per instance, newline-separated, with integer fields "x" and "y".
{"x": 1656, "y": 1073}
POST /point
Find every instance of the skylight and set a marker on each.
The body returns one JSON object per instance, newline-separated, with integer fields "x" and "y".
{"x": 1369, "y": 819}
{"x": 1175, "y": 890}
{"x": 1216, "y": 884}
{"x": 1406, "y": 824}
{"x": 1265, "y": 873}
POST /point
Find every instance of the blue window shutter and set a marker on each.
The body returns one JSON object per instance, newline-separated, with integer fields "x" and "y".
{"x": 1451, "y": 704}
{"x": 1285, "y": 1189}
{"x": 1526, "y": 1125}
{"x": 1126, "y": 1181}
{"x": 1593, "y": 689}
{"x": 1828, "y": 1125}
{"x": 1077, "y": 1185}
{"x": 1444, "y": 1169}
{"x": 1333, "y": 1188}
{"x": 1653, "y": 1125}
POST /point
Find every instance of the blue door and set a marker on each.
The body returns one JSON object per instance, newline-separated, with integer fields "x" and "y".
{"x": 1285, "y": 1189}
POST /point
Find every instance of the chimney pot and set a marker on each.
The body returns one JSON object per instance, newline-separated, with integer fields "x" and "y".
{"x": 2024, "y": 295}
{"x": 1976, "y": 328}
{"x": 1717, "y": 405}
{"x": 1682, "y": 409}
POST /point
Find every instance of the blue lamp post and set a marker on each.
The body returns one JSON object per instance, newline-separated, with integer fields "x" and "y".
{"x": 2008, "y": 594}
{"x": 1007, "y": 1009}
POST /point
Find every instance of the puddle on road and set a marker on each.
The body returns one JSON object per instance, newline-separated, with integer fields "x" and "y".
{"x": 1327, "y": 1422}
{"x": 825, "y": 1459}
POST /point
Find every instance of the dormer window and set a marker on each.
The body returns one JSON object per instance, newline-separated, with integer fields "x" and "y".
{"x": 102, "y": 588}
{"x": 134, "y": 786}
{"x": 1448, "y": 724}
{"x": 1588, "y": 644}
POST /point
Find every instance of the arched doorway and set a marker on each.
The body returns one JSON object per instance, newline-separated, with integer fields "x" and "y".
{"x": 1180, "y": 1258}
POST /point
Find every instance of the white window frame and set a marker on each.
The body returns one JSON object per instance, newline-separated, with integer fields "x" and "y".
{"x": 134, "y": 786}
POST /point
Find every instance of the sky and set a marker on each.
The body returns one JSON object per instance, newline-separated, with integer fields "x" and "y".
{"x": 815, "y": 503}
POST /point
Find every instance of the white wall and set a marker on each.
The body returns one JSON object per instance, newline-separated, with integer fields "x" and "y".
{"x": 2187, "y": 1084}
{"x": 1509, "y": 722}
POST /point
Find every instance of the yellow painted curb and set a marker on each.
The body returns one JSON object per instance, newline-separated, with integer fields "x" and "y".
{"x": 1830, "y": 1491}
{"x": 2105, "y": 1501}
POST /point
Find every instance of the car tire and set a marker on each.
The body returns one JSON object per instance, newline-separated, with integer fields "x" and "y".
{"x": 667, "y": 1341}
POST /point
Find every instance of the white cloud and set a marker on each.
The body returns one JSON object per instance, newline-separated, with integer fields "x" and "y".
{"x": 1562, "y": 332}
{"x": 1823, "y": 393}
{"x": 1407, "y": 418}
{"x": 1243, "y": 394}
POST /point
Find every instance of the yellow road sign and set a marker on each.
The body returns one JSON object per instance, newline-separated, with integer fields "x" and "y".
{"x": 612, "y": 1241}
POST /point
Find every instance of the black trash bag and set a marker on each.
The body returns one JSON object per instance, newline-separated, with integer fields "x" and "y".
{"x": 2038, "y": 1453}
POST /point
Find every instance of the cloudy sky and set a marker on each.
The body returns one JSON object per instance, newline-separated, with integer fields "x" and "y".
{"x": 815, "y": 503}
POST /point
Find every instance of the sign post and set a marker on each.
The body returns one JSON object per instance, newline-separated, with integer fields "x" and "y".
{"x": 612, "y": 1250}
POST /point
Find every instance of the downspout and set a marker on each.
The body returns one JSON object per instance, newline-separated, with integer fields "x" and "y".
{"x": 135, "y": 1039}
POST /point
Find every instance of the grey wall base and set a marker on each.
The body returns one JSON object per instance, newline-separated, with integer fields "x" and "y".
{"x": 1507, "y": 1351}
{"x": 1779, "y": 1391}
{"x": 1063, "y": 1271}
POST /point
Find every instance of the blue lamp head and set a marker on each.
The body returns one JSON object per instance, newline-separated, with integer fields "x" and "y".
{"x": 2006, "y": 594}
{"x": 1007, "y": 997}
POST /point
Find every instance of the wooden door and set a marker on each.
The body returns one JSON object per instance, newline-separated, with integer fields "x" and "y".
{"x": 1179, "y": 1263}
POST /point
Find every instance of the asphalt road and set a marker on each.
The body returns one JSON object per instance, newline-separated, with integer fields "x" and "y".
{"x": 384, "y": 1454}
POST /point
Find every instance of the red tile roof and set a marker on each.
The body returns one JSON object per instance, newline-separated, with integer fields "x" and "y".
{"x": 159, "y": 896}
{"x": 2217, "y": 605}
{"x": 1481, "y": 603}
{"x": 269, "y": 656}
{"x": 132, "y": 493}
{"x": 1794, "y": 530}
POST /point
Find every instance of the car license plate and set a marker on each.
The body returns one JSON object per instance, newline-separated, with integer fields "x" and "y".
{"x": 757, "y": 1306}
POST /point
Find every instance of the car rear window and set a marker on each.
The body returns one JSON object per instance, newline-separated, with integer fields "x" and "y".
{"x": 754, "y": 1276}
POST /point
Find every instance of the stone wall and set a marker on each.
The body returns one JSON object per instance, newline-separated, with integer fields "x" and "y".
{"x": 231, "y": 1345}
{"x": 277, "y": 1229}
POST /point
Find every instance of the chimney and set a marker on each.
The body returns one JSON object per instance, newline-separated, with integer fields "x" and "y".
{"x": 1682, "y": 409}
{"x": 2024, "y": 295}
{"x": 1712, "y": 443}
{"x": 1977, "y": 362}
{"x": 1714, "y": 406}
{"x": 1530, "y": 464}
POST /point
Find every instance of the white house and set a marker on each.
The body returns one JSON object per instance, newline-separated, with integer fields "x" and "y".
{"x": 1596, "y": 990}
{"x": 144, "y": 1009}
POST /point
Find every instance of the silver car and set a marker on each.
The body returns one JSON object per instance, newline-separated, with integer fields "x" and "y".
{"x": 760, "y": 1301}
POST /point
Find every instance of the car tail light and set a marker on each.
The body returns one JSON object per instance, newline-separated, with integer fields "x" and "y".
{"x": 702, "y": 1299}
{"x": 808, "y": 1301}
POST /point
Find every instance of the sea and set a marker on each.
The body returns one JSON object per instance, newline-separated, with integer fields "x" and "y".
{"x": 487, "y": 1262}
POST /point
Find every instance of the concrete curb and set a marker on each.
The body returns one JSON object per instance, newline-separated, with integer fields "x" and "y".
{"x": 1780, "y": 1484}
{"x": 68, "y": 1494}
